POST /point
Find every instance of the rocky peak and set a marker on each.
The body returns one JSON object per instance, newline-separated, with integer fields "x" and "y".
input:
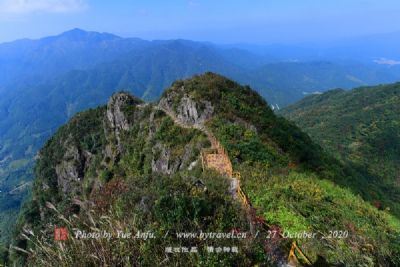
{"x": 116, "y": 117}
{"x": 186, "y": 109}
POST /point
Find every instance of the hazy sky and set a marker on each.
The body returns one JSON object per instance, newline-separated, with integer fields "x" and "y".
{"x": 223, "y": 21}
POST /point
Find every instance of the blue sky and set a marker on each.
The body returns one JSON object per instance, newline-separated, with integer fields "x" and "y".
{"x": 221, "y": 21}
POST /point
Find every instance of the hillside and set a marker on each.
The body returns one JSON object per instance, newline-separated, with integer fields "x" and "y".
{"x": 137, "y": 167}
{"x": 44, "y": 82}
{"x": 360, "y": 127}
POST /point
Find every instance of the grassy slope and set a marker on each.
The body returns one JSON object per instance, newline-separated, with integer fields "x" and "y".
{"x": 361, "y": 127}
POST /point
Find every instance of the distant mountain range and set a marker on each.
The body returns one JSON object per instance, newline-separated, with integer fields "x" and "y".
{"x": 31, "y": 62}
{"x": 45, "y": 82}
{"x": 76, "y": 49}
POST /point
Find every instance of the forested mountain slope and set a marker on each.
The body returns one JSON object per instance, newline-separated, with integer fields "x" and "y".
{"x": 360, "y": 127}
{"x": 129, "y": 166}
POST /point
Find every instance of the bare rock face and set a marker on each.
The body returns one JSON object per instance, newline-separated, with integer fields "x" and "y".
{"x": 70, "y": 170}
{"x": 187, "y": 110}
{"x": 161, "y": 163}
{"x": 191, "y": 112}
{"x": 118, "y": 120}
{"x": 115, "y": 115}
{"x": 164, "y": 163}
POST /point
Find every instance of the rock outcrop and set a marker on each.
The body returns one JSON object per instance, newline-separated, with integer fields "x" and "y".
{"x": 187, "y": 110}
{"x": 118, "y": 120}
{"x": 71, "y": 170}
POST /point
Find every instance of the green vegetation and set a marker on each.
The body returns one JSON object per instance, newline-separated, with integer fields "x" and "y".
{"x": 294, "y": 187}
{"x": 245, "y": 145}
{"x": 303, "y": 202}
{"x": 131, "y": 196}
{"x": 162, "y": 206}
{"x": 43, "y": 83}
{"x": 240, "y": 104}
{"x": 146, "y": 176}
{"x": 362, "y": 129}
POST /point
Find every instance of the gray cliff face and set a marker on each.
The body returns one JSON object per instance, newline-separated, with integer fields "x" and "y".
{"x": 164, "y": 163}
{"x": 117, "y": 120}
{"x": 71, "y": 170}
{"x": 115, "y": 114}
{"x": 187, "y": 110}
{"x": 190, "y": 112}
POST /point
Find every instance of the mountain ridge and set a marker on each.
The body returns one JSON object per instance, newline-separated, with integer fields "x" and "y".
{"x": 46, "y": 85}
{"x": 130, "y": 157}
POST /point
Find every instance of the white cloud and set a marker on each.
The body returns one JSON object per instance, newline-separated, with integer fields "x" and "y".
{"x": 43, "y": 6}
{"x": 385, "y": 61}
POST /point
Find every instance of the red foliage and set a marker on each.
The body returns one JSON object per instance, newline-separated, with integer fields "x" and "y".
{"x": 259, "y": 220}
{"x": 106, "y": 195}
{"x": 377, "y": 204}
{"x": 292, "y": 165}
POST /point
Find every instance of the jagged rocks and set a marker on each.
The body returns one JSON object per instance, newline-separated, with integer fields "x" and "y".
{"x": 187, "y": 110}
{"x": 164, "y": 163}
{"x": 115, "y": 111}
{"x": 161, "y": 160}
{"x": 70, "y": 170}
{"x": 119, "y": 117}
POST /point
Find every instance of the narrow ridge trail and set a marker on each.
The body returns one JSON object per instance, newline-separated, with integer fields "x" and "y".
{"x": 216, "y": 158}
{"x": 213, "y": 158}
